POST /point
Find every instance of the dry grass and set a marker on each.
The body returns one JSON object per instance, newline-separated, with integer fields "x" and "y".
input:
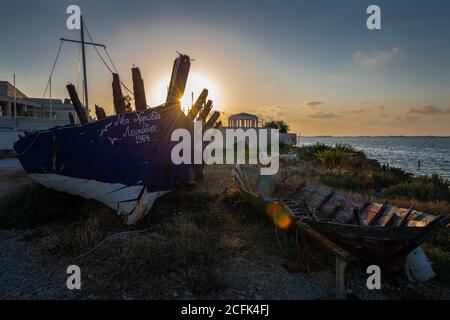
{"x": 180, "y": 251}
{"x": 78, "y": 237}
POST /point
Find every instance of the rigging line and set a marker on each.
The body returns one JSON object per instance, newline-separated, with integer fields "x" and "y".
{"x": 53, "y": 69}
{"x": 95, "y": 47}
{"x": 110, "y": 60}
{"x": 112, "y": 63}
{"x": 78, "y": 69}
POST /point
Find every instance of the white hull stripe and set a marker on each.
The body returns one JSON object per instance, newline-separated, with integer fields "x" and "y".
{"x": 117, "y": 196}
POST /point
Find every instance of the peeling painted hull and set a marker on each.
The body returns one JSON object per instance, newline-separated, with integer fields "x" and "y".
{"x": 122, "y": 161}
{"x": 372, "y": 232}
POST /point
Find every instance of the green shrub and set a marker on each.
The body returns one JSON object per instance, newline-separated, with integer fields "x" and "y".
{"x": 426, "y": 188}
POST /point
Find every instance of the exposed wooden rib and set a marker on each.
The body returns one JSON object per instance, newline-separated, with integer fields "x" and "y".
{"x": 119, "y": 102}
{"x": 205, "y": 111}
{"x": 100, "y": 112}
{"x": 375, "y": 217}
{"x": 198, "y": 105}
{"x": 178, "y": 80}
{"x": 404, "y": 220}
{"x": 140, "y": 101}
{"x": 212, "y": 120}
{"x": 387, "y": 215}
{"x": 369, "y": 211}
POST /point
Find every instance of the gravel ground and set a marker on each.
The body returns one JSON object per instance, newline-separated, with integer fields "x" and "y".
{"x": 253, "y": 265}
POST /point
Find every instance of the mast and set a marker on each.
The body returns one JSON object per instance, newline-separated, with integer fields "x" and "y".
{"x": 15, "y": 102}
{"x": 83, "y": 53}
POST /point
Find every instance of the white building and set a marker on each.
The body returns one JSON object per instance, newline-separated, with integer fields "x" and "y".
{"x": 250, "y": 121}
{"x": 243, "y": 120}
{"x": 23, "y": 108}
{"x": 59, "y": 109}
{"x": 28, "y": 114}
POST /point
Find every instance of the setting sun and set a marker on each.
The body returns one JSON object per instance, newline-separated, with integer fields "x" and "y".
{"x": 195, "y": 84}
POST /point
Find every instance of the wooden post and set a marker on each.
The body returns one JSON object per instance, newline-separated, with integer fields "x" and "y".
{"x": 213, "y": 119}
{"x": 178, "y": 80}
{"x": 119, "y": 102}
{"x": 81, "y": 113}
{"x": 100, "y": 112}
{"x": 205, "y": 111}
{"x": 198, "y": 105}
{"x": 138, "y": 89}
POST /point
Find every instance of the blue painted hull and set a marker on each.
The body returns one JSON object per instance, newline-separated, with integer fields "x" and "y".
{"x": 126, "y": 150}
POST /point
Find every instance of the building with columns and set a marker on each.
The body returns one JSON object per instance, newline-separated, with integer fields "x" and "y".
{"x": 243, "y": 120}
{"x": 247, "y": 121}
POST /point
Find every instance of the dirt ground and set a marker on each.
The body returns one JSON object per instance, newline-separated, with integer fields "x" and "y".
{"x": 250, "y": 255}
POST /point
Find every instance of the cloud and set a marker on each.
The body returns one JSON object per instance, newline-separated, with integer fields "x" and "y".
{"x": 312, "y": 103}
{"x": 373, "y": 123}
{"x": 356, "y": 111}
{"x": 324, "y": 115}
{"x": 374, "y": 58}
{"x": 405, "y": 119}
{"x": 429, "y": 110}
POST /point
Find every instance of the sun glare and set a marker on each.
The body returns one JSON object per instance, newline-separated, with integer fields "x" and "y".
{"x": 195, "y": 84}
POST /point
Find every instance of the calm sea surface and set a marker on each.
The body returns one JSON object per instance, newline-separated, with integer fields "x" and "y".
{"x": 403, "y": 152}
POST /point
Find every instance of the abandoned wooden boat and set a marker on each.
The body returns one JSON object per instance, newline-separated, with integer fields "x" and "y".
{"x": 372, "y": 232}
{"x": 123, "y": 161}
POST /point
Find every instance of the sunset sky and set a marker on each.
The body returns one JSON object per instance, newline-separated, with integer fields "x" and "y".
{"x": 313, "y": 64}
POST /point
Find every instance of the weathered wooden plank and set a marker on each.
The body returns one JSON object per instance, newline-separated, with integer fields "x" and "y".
{"x": 178, "y": 80}
{"x": 385, "y": 218}
{"x": 100, "y": 112}
{"x": 212, "y": 120}
{"x": 370, "y": 211}
{"x": 327, "y": 244}
{"x": 377, "y": 216}
{"x": 205, "y": 111}
{"x": 198, "y": 105}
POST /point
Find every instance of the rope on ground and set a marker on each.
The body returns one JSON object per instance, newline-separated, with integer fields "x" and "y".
{"x": 276, "y": 231}
{"x": 49, "y": 270}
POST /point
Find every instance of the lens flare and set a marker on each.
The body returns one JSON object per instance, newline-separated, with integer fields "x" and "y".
{"x": 279, "y": 216}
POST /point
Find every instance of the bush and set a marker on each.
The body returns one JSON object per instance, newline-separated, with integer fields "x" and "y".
{"x": 426, "y": 188}
{"x": 440, "y": 262}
